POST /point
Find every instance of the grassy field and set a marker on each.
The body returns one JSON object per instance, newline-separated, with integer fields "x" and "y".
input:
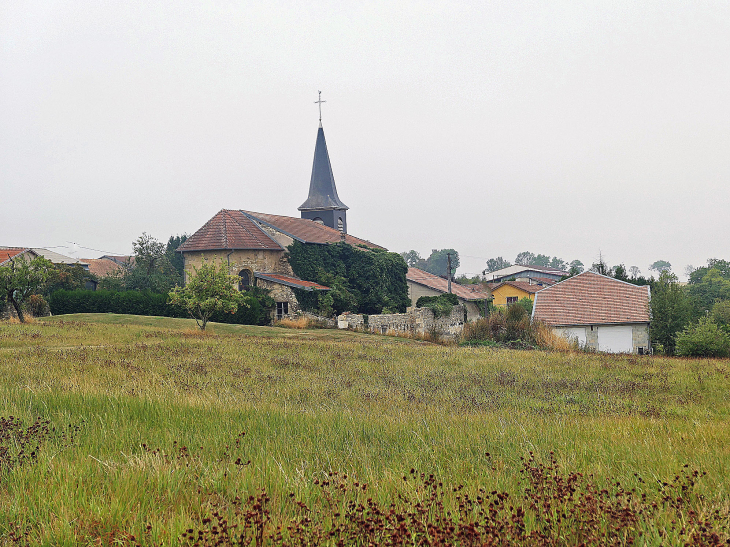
{"x": 149, "y": 415}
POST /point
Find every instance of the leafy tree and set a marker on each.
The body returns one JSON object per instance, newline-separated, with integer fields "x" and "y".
{"x": 525, "y": 258}
{"x": 576, "y": 267}
{"x": 601, "y": 267}
{"x": 527, "y": 304}
{"x": 437, "y": 263}
{"x": 176, "y": 259}
{"x": 721, "y": 315}
{"x": 21, "y": 278}
{"x": 68, "y": 277}
{"x": 559, "y": 263}
{"x": 414, "y": 260}
{"x": 494, "y": 264}
{"x": 634, "y": 271}
{"x": 712, "y": 287}
{"x": 209, "y": 290}
{"x": 661, "y": 266}
{"x": 671, "y": 310}
{"x": 152, "y": 269}
{"x": 703, "y": 339}
{"x": 540, "y": 260}
{"x": 619, "y": 272}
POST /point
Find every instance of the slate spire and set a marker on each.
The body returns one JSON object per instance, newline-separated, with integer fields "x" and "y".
{"x": 323, "y": 204}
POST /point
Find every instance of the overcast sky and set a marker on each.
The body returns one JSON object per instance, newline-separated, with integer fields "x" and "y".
{"x": 562, "y": 128}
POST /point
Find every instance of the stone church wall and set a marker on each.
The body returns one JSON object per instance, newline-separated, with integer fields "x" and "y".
{"x": 252, "y": 260}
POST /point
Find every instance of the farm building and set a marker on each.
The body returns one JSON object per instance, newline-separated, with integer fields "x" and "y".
{"x": 422, "y": 283}
{"x": 598, "y": 312}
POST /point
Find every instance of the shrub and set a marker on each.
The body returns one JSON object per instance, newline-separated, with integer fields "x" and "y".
{"x": 441, "y": 305}
{"x": 36, "y": 306}
{"x": 148, "y": 303}
{"x": 703, "y": 339}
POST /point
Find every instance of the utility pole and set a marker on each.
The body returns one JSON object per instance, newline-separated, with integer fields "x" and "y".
{"x": 448, "y": 257}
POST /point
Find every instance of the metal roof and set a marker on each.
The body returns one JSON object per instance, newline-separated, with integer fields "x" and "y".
{"x": 322, "y": 190}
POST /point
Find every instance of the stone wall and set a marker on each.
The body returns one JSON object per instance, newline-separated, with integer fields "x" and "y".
{"x": 416, "y": 321}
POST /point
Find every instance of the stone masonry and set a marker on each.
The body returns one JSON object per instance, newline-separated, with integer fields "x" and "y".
{"x": 416, "y": 321}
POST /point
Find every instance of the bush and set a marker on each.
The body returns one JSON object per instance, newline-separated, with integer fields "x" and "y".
{"x": 504, "y": 326}
{"x": 441, "y": 305}
{"x": 148, "y": 303}
{"x": 703, "y": 339}
{"x": 36, "y": 306}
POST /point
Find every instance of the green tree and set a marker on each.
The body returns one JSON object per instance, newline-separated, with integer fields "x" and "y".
{"x": 559, "y": 263}
{"x": 671, "y": 311}
{"x": 525, "y": 258}
{"x": 414, "y": 260}
{"x": 576, "y": 267}
{"x": 152, "y": 269}
{"x": 437, "y": 263}
{"x": 540, "y": 260}
{"x": 661, "y": 266}
{"x": 20, "y": 278}
{"x": 68, "y": 277}
{"x": 494, "y": 264}
{"x": 176, "y": 259}
{"x": 619, "y": 272}
{"x": 209, "y": 290}
{"x": 703, "y": 339}
{"x": 721, "y": 315}
{"x": 710, "y": 284}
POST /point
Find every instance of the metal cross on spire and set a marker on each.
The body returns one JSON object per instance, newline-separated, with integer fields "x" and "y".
{"x": 319, "y": 103}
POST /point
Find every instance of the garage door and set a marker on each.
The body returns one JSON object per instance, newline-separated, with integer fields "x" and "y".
{"x": 616, "y": 339}
{"x": 574, "y": 333}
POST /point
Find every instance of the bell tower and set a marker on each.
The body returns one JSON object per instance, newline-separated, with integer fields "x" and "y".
{"x": 323, "y": 204}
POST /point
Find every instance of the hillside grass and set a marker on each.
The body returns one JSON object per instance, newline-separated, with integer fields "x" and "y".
{"x": 160, "y": 408}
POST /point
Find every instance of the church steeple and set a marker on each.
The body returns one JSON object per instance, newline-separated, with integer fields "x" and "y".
{"x": 323, "y": 204}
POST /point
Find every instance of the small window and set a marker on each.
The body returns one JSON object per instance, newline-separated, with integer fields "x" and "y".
{"x": 512, "y": 300}
{"x": 318, "y": 220}
{"x": 282, "y": 309}
{"x": 245, "y": 283}
{"x": 340, "y": 224}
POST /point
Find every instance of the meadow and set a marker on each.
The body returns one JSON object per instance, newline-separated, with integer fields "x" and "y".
{"x": 146, "y": 429}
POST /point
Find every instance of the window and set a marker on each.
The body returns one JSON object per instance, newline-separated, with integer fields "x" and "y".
{"x": 340, "y": 224}
{"x": 318, "y": 220}
{"x": 245, "y": 282}
{"x": 282, "y": 309}
{"x": 512, "y": 300}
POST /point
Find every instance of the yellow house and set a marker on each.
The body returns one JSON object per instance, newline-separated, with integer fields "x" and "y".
{"x": 509, "y": 292}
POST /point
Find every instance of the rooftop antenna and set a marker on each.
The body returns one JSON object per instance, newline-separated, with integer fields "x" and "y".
{"x": 319, "y": 103}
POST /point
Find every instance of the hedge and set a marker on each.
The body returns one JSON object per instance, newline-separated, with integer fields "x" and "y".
{"x": 63, "y": 302}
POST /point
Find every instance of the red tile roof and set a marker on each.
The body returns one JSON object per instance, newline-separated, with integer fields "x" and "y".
{"x": 589, "y": 299}
{"x": 6, "y": 253}
{"x": 101, "y": 267}
{"x": 229, "y": 229}
{"x": 440, "y": 284}
{"x": 526, "y": 286}
{"x": 291, "y": 281}
{"x": 307, "y": 231}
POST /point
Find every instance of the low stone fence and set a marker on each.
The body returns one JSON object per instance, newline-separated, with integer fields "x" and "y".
{"x": 416, "y": 321}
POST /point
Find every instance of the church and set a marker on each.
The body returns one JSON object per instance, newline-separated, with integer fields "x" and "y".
{"x": 254, "y": 245}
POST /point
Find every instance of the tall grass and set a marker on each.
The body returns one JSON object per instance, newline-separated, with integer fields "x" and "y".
{"x": 161, "y": 412}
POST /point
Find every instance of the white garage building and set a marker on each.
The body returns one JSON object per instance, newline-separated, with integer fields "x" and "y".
{"x": 598, "y": 312}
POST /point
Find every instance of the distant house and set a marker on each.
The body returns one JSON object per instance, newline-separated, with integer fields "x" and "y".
{"x": 422, "y": 283}
{"x": 509, "y": 292}
{"x": 598, "y": 312}
{"x": 525, "y": 273}
{"x": 7, "y": 254}
{"x": 58, "y": 258}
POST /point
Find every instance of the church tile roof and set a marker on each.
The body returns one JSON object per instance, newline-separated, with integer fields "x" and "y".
{"x": 291, "y": 281}
{"x": 229, "y": 229}
{"x": 592, "y": 299}
{"x": 307, "y": 231}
